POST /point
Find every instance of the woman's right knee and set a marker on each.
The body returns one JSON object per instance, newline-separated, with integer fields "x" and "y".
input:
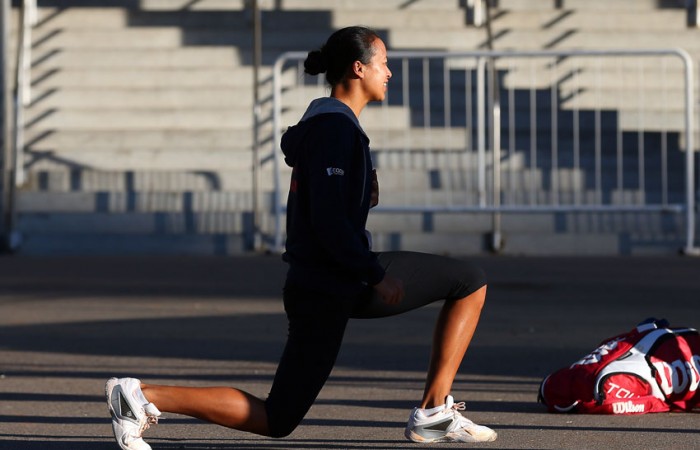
{"x": 282, "y": 428}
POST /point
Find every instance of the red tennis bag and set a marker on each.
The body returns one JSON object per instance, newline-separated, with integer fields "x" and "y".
{"x": 652, "y": 368}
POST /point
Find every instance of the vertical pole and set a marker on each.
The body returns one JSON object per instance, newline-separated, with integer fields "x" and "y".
{"x": 276, "y": 137}
{"x": 495, "y": 102}
{"x": 257, "y": 61}
{"x": 8, "y": 185}
{"x": 691, "y": 202}
{"x": 495, "y": 116}
{"x": 481, "y": 129}
{"x": 5, "y": 113}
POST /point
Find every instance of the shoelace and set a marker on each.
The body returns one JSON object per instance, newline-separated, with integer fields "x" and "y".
{"x": 150, "y": 420}
{"x": 463, "y": 421}
{"x": 461, "y": 406}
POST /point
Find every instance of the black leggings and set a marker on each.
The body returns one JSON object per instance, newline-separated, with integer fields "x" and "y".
{"x": 317, "y": 324}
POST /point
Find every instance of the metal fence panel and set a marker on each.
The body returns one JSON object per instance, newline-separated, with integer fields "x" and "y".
{"x": 529, "y": 132}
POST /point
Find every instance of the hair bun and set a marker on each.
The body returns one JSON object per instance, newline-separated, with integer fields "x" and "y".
{"x": 315, "y": 63}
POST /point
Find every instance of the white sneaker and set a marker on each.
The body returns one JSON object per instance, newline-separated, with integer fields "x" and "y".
{"x": 131, "y": 413}
{"x": 447, "y": 425}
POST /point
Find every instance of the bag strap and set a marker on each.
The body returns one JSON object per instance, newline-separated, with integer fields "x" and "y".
{"x": 635, "y": 362}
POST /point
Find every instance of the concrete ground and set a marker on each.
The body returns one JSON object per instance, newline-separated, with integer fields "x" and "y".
{"x": 67, "y": 324}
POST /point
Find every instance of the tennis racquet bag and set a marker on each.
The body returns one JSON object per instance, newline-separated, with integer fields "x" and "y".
{"x": 652, "y": 368}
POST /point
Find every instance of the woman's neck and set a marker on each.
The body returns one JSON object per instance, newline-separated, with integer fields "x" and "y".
{"x": 350, "y": 98}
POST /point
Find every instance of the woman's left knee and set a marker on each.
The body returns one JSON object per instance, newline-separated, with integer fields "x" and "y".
{"x": 477, "y": 298}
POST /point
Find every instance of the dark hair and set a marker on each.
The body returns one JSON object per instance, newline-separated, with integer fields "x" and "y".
{"x": 342, "y": 48}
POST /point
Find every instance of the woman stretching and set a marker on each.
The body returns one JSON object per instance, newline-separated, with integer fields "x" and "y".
{"x": 333, "y": 276}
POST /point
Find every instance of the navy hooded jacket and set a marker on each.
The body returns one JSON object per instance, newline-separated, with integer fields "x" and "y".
{"x": 329, "y": 200}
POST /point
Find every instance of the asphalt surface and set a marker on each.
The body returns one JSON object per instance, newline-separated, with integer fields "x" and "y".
{"x": 67, "y": 324}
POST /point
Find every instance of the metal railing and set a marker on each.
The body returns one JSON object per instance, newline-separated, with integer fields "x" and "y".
{"x": 566, "y": 144}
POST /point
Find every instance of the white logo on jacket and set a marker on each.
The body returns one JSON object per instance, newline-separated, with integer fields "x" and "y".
{"x": 334, "y": 171}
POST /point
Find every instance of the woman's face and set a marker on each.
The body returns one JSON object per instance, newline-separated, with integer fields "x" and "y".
{"x": 377, "y": 73}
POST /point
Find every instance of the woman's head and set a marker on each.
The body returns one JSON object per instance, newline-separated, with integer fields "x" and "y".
{"x": 342, "y": 49}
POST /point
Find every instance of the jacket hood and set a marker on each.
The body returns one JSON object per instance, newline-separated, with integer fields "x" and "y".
{"x": 294, "y": 134}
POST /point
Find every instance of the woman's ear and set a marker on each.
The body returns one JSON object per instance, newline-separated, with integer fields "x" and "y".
{"x": 358, "y": 69}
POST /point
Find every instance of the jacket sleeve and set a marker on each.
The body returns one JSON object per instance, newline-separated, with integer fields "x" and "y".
{"x": 335, "y": 194}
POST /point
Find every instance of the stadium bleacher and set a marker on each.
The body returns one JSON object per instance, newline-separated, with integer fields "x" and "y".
{"x": 139, "y": 134}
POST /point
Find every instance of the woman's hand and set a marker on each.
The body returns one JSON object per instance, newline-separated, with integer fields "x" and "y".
{"x": 390, "y": 289}
{"x": 374, "y": 198}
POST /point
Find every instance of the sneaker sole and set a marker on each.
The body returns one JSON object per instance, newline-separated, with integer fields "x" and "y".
{"x": 414, "y": 437}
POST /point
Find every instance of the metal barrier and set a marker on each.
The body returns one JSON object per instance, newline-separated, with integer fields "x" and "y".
{"x": 567, "y": 131}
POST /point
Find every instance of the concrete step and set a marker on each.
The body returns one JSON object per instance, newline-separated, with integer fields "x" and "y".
{"x": 174, "y": 37}
{"x": 611, "y": 99}
{"x": 166, "y": 140}
{"x": 518, "y": 223}
{"x": 384, "y": 5}
{"x": 59, "y": 141}
{"x": 169, "y": 149}
{"x": 234, "y": 5}
{"x": 565, "y": 196}
{"x": 272, "y": 20}
{"x": 149, "y": 38}
{"x": 140, "y": 98}
{"x": 649, "y": 74}
{"x": 608, "y": 6}
{"x": 411, "y": 139}
{"x": 239, "y": 222}
{"x": 652, "y": 120}
{"x": 578, "y": 39}
{"x": 136, "y": 223}
{"x": 142, "y": 78}
{"x": 589, "y": 20}
{"x": 112, "y": 202}
{"x": 427, "y": 39}
{"x": 517, "y": 244}
{"x": 114, "y": 17}
{"x": 426, "y": 167}
{"x": 141, "y": 119}
{"x": 526, "y": 5}
{"x": 151, "y": 4}
{"x": 200, "y": 5}
{"x": 171, "y": 37}
{"x": 418, "y": 19}
{"x": 531, "y": 244}
{"x": 85, "y": 185}
{"x": 624, "y": 5}
{"x": 197, "y": 159}
{"x": 188, "y": 119}
{"x": 388, "y": 229}
{"x": 136, "y": 59}
{"x": 83, "y": 188}
{"x": 186, "y": 244}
